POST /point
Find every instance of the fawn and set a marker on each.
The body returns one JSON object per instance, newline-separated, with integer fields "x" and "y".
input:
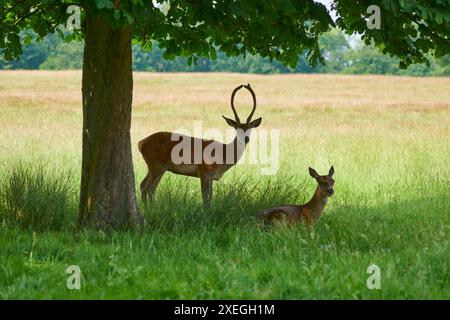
{"x": 309, "y": 212}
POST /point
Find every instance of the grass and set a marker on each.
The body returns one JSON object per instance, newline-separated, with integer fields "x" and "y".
{"x": 387, "y": 137}
{"x": 35, "y": 199}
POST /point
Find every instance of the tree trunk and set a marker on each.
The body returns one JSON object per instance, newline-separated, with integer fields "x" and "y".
{"x": 107, "y": 195}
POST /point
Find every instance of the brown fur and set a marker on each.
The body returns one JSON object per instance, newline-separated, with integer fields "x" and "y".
{"x": 157, "y": 148}
{"x": 308, "y": 213}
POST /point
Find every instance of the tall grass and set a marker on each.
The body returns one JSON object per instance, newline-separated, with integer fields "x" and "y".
{"x": 388, "y": 139}
{"x": 236, "y": 201}
{"x": 37, "y": 198}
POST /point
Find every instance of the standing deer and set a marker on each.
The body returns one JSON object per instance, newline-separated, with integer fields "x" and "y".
{"x": 157, "y": 151}
{"x": 309, "y": 212}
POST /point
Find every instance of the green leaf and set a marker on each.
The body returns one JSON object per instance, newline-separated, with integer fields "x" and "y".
{"x": 438, "y": 18}
{"x": 128, "y": 16}
{"x": 104, "y": 4}
{"x": 27, "y": 40}
{"x": 69, "y": 37}
{"x": 395, "y": 8}
{"x": 212, "y": 53}
{"x": 117, "y": 14}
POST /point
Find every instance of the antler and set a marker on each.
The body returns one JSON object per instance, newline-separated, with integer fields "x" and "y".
{"x": 236, "y": 117}
{"x": 247, "y": 86}
{"x": 254, "y": 102}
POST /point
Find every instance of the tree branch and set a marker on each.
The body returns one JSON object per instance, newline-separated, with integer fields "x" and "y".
{"x": 27, "y": 15}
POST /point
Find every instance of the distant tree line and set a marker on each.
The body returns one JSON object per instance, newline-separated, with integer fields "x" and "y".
{"x": 342, "y": 55}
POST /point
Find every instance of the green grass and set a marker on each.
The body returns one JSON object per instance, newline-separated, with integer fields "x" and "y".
{"x": 36, "y": 199}
{"x": 188, "y": 252}
{"x": 391, "y": 207}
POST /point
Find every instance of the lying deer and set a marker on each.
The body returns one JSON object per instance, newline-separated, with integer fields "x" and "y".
{"x": 157, "y": 150}
{"x": 311, "y": 211}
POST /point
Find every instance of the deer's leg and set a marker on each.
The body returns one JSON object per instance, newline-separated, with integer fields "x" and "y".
{"x": 307, "y": 214}
{"x": 206, "y": 184}
{"x": 150, "y": 182}
{"x": 154, "y": 181}
{"x": 144, "y": 187}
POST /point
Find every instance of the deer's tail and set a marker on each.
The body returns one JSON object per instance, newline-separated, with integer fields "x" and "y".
{"x": 140, "y": 144}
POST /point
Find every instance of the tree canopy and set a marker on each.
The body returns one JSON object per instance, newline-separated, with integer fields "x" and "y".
{"x": 409, "y": 29}
{"x": 342, "y": 55}
{"x": 277, "y": 29}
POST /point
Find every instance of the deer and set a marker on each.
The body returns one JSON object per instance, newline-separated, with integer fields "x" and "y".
{"x": 310, "y": 212}
{"x": 158, "y": 153}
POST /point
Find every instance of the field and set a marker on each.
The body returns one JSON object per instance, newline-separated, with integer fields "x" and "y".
{"x": 387, "y": 137}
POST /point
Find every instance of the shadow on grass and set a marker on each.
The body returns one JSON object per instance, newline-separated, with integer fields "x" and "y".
{"x": 235, "y": 202}
{"x": 36, "y": 198}
{"x": 386, "y": 226}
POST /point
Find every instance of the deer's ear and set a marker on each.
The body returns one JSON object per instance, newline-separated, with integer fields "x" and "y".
{"x": 230, "y": 122}
{"x": 255, "y": 123}
{"x": 331, "y": 172}
{"x": 313, "y": 173}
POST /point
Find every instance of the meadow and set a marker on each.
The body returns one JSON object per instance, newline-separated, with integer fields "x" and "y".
{"x": 388, "y": 138}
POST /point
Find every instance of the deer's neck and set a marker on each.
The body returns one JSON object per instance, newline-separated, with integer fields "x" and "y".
{"x": 317, "y": 204}
{"x": 234, "y": 151}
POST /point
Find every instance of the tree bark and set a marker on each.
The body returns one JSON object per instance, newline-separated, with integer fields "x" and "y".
{"x": 107, "y": 195}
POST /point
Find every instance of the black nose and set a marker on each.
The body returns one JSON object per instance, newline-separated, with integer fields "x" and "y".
{"x": 247, "y": 139}
{"x": 331, "y": 191}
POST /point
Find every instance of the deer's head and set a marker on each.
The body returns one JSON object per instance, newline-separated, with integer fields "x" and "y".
{"x": 243, "y": 129}
{"x": 326, "y": 183}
